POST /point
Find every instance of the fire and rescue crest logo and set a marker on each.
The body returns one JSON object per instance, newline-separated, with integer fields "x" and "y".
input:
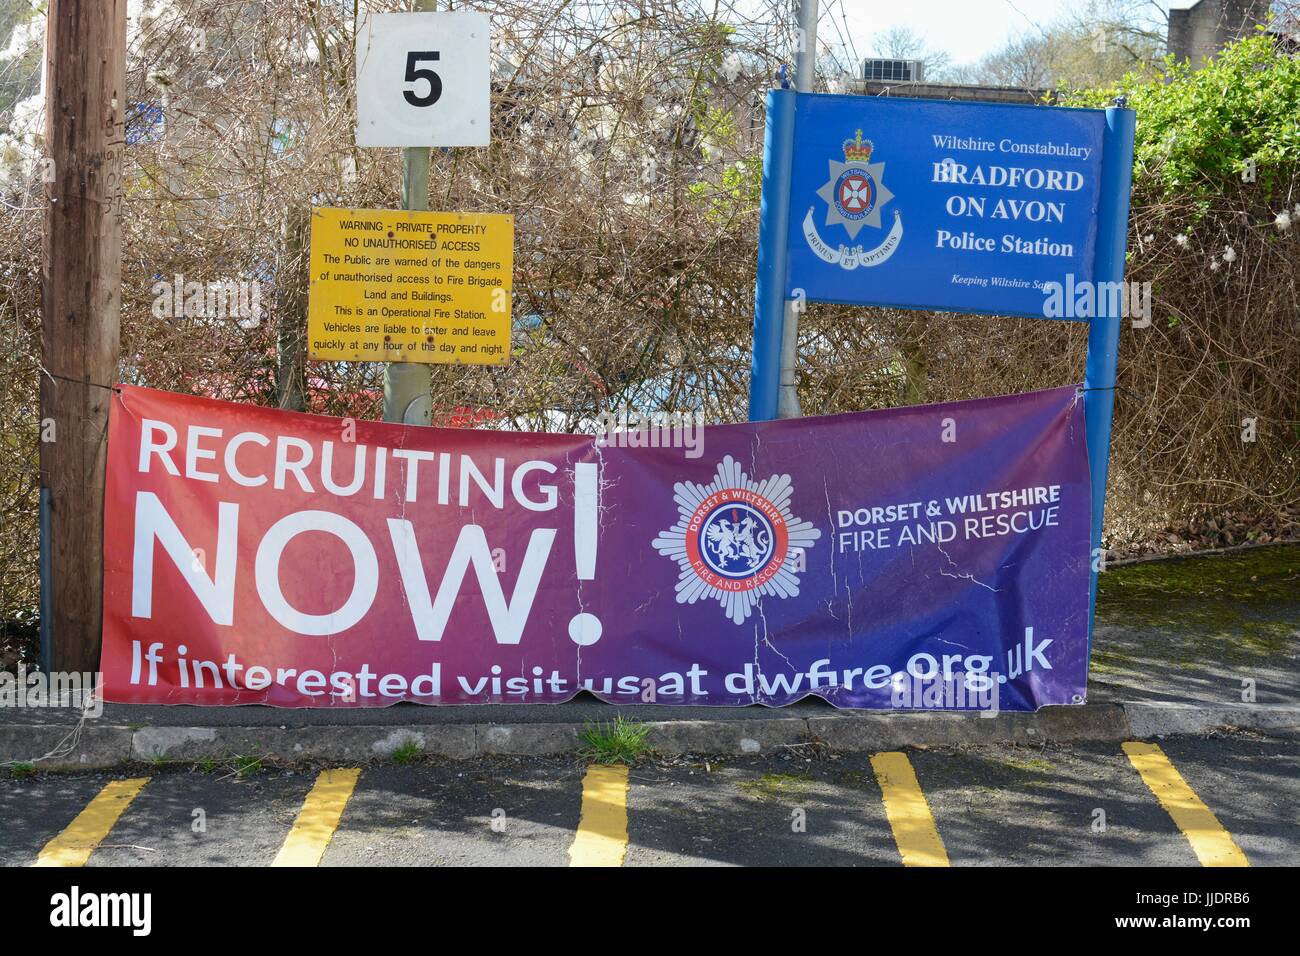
{"x": 855, "y": 196}
{"x": 735, "y": 540}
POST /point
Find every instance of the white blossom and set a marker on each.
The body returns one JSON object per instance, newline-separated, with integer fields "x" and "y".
{"x": 1181, "y": 239}
{"x": 1283, "y": 221}
{"x": 730, "y": 67}
{"x": 20, "y": 151}
{"x": 23, "y": 38}
{"x": 1229, "y": 254}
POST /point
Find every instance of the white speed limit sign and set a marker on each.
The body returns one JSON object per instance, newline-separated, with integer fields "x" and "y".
{"x": 423, "y": 79}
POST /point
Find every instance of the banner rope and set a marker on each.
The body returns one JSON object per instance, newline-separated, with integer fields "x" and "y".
{"x": 79, "y": 381}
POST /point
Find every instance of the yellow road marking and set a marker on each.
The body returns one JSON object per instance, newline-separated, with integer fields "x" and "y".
{"x": 318, "y": 819}
{"x": 601, "y": 839}
{"x": 908, "y": 812}
{"x": 74, "y": 845}
{"x": 1212, "y": 844}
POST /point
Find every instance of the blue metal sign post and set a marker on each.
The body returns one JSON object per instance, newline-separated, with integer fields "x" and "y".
{"x": 773, "y": 255}
{"x": 1103, "y": 328}
{"x": 946, "y": 206}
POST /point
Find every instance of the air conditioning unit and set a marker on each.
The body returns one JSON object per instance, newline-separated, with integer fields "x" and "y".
{"x": 894, "y": 71}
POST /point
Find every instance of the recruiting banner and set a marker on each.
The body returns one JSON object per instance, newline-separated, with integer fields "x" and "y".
{"x": 928, "y": 204}
{"x": 935, "y": 556}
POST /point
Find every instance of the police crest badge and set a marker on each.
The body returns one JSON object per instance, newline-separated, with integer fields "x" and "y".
{"x": 855, "y": 196}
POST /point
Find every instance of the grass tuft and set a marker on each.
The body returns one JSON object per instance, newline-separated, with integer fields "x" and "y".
{"x": 407, "y": 752}
{"x": 616, "y": 741}
{"x": 246, "y": 766}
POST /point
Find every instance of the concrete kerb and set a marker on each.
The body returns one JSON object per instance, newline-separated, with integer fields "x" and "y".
{"x": 1159, "y": 718}
{"x": 60, "y": 747}
{"x": 95, "y": 746}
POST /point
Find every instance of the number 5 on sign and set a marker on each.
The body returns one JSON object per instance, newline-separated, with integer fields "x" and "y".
{"x": 423, "y": 79}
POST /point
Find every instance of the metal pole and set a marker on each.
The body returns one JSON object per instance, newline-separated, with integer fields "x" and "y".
{"x": 773, "y": 226}
{"x": 772, "y": 385}
{"x": 406, "y": 384}
{"x": 805, "y": 58}
{"x": 805, "y": 61}
{"x": 1103, "y": 329}
{"x": 47, "y": 586}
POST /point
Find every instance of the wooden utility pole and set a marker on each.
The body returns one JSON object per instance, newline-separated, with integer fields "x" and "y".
{"x": 81, "y": 296}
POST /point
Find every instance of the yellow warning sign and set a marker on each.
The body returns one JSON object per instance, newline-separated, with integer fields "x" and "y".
{"x": 392, "y": 285}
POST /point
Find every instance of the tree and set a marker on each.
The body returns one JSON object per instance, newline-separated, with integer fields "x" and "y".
{"x": 1095, "y": 46}
{"x": 1027, "y": 61}
{"x": 905, "y": 43}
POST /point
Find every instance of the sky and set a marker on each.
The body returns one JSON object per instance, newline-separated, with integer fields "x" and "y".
{"x": 966, "y": 29}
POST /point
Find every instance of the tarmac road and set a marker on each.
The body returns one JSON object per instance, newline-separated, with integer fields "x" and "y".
{"x": 1229, "y": 799}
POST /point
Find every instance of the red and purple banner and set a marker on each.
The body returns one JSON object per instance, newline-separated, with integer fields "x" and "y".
{"x": 934, "y": 556}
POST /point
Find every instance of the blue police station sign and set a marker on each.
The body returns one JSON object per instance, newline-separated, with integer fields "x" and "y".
{"x": 929, "y": 204}
{"x": 946, "y": 206}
